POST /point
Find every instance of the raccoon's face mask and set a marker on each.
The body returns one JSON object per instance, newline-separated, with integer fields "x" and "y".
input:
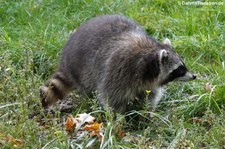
{"x": 172, "y": 67}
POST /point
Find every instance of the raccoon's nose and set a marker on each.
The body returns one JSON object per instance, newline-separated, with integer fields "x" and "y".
{"x": 194, "y": 76}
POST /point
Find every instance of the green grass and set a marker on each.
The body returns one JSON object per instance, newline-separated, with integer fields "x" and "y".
{"x": 32, "y": 34}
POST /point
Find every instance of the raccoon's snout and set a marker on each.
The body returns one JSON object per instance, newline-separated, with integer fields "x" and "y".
{"x": 188, "y": 76}
{"x": 194, "y": 76}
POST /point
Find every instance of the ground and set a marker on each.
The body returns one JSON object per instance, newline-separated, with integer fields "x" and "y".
{"x": 191, "y": 114}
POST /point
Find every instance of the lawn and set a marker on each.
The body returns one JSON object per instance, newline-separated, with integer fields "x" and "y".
{"x": 190, "y": 115}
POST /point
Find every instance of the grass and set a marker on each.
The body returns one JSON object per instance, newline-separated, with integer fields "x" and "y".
{"x": 32, "y": 34}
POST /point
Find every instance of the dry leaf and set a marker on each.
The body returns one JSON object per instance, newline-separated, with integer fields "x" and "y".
{"x": 130, "y": 138}
{"x": 209, "y": 87}
{"x": 98, "y": 134}
{"x": 70, "y": 123}
{"x": 93, "y": 127}
{"x": 101, "y": 136}
{"x": 73, "y": 123}
{"x": 93, "y": 133}
{"x": 95, "y": 130}
{"x": 196, "y": 120}
{"x": 121, "y": 134}
{"x": 85, "y": 118}
{"x": 15, "y": 142}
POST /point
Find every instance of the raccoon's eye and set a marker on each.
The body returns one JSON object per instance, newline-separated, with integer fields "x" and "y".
{"x": 180, "y": 71}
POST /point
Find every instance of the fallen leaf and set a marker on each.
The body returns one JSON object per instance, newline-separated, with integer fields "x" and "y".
{"x": 119, "y": 131}
{"x": 70, "y": 123}
{"x": 95, "y": 130}
{"x": 209, "y": 87}
{"x": 101, "y": 136}
{"x": 85, "y": 118}
{"x": 98, "y": 134}
{"x": 130, "y": 138}
{"x": 93, "y": 127}
{"x": 121, "y": 134}
{"x": 73, "y": 123}
{"x": 93, "y": 133}
{"x": 15, "y": 142}
{"x": 196, "y": 120}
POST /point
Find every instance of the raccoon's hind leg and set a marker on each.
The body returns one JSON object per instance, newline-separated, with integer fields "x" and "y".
{"x": 113, "y": 101}
{"x": 54, "y": 89}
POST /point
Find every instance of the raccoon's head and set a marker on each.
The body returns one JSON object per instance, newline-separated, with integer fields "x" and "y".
{"x": 172, "y": 67}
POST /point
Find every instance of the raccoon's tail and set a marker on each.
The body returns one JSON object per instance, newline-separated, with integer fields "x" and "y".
{"x": 54, "y": 89}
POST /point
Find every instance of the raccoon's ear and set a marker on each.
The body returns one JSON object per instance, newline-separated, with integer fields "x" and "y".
{"x": 166, "y": 41}
{"x": 163, "y": 55}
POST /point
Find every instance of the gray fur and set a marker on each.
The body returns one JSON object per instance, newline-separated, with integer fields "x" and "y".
{"x": 115, "y": 56}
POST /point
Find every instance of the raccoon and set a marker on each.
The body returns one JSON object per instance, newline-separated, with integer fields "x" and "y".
{"x": 114, "y": 56}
